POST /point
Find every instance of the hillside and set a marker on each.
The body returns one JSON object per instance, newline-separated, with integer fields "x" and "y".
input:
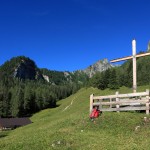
{"x": 26, "y": 89}
{"x": 68, "y": 127}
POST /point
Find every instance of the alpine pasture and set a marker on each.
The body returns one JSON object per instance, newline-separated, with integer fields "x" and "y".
{"x": 68, "y": 127}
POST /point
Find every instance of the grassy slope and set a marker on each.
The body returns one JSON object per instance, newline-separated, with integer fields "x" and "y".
{"x": 70, "y": 128}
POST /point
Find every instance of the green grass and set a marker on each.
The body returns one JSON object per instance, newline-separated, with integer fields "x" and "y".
{"x": 71, "y": 129}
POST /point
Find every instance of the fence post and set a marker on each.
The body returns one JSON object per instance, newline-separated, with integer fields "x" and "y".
{"x": 117, "y": 99}
{"x": 110, "y": 106}
{"x": 147, "y": 103}
{"x": 100, "y": 105}
{"x": 91, "y": 102}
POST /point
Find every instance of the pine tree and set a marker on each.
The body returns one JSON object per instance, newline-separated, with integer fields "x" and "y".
{"x": 113, "y": 82}
{"x": 14, "y": 102}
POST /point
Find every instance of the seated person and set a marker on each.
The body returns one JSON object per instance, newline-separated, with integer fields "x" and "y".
{"x": 95, "y": 113}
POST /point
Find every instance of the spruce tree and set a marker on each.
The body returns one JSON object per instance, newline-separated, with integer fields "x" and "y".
{"x": 113, "y": 82}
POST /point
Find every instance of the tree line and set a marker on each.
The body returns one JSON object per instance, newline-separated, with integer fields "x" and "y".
{"x": 27, "y": 97}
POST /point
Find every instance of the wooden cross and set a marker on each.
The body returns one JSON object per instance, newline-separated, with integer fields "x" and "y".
{"x": 133, "y": 57}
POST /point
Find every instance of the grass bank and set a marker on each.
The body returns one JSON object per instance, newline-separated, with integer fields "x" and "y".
{"x": 68, "y": 127}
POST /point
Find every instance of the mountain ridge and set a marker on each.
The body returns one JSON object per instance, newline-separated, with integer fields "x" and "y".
{"x": 24, "y": 68}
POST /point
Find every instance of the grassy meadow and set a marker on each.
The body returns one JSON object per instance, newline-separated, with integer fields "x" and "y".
{"x": 67, "y": 127}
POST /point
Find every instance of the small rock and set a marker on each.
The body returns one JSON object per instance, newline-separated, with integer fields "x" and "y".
{"x": 136, "y": 128}
{"x": 145, "y": 119}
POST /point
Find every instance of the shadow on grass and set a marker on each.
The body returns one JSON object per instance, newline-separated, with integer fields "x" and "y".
{"x": 3, "y": 135}
{"x": 57, "y": 106}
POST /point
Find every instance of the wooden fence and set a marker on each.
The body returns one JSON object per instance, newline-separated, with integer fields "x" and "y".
{"x": 121, "y": 102}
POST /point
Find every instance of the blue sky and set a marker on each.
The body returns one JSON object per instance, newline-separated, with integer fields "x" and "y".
{"x": 67, "y": 35}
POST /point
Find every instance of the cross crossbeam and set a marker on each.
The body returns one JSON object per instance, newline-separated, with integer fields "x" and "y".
{"x": 129, "y": 57}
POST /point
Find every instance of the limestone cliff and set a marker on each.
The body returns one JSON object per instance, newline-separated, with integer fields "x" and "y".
{"x": 99, "y": 66}
{"x": 20, "y": 67}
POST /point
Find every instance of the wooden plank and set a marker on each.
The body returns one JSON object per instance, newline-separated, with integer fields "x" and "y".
{"x": 134, "y": 100}
{"x": 121, "y": 95}
{"x": 104, "y": 97}
{"x": 141, "y": 55}
{"x": 108, "y": 109}
{"x": 132, "y": 94}
{"x": 129, "y": 57}
{"x": 130, "y": 99}
{"x": 124, "y": 109}
{"x": 121, "y": 59}
{"x": 133, "y": 108}
{"x": 121, "y": 102}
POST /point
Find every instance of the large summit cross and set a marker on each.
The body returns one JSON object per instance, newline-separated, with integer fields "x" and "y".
{"x": 133, "y": 57}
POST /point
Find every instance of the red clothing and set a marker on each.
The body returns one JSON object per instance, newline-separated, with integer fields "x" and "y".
{"x": 95, "y": 113}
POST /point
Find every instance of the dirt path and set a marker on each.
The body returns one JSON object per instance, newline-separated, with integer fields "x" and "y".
{"x": 70, "y": 103}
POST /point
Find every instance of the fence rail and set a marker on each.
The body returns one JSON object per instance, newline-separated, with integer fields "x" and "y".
{"x": 122, "y": 102}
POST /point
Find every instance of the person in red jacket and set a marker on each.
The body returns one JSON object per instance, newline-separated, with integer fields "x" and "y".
{"x": 95, "y": 113}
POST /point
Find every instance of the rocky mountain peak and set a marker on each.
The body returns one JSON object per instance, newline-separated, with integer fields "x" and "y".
{"x": 21, "y": 67}
{"x": 99, "y": 66}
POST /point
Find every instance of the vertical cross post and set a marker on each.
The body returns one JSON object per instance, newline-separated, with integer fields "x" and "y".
{"x": 134, "y": 65}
